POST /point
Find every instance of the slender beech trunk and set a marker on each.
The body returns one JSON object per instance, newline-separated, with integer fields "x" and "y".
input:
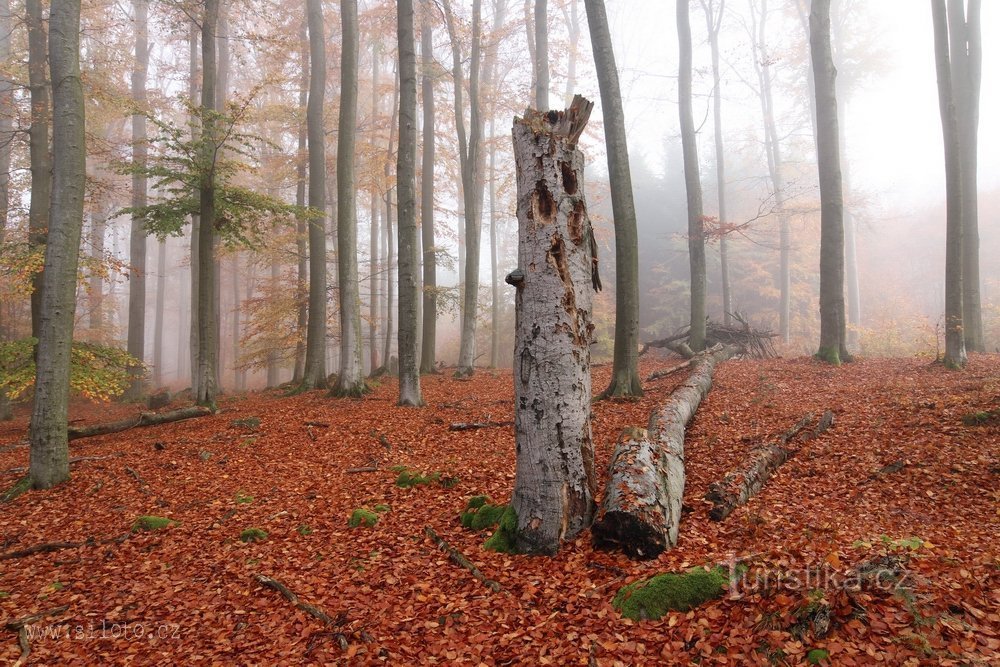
{"x": 409, "y": 260}
{"x": 833, "y": 318}
{"x": 38, "y": 141}
{"x": 390, "y": 238}
{"x": 239, "y": 376}
{"x": 301, "y": 235}
{"x": 158, "y": 325}
{"x": 529, "y": 29}
{"x": 554, "y": 486}
{"x": 373, "y": 238}
{"x": 351, "y": 379}
{"x": 314, "y": 375}
{"x": 571, "y": 13}
{"x": 954, "y": 337}
{"x": 692, "y": 182}
{"x": 95, "y": 304}
{"x": 49, "y": 456}
{"x": 625, "y": 370}
{"x": 137, "y": 238}
{"x": 208, "y": 324}
{"x": 966, "y": 54}
{"x": 494, "y": 263}
{"x": 6, "y": 141}
{"x": 428, "y": 337}
{"x": 713, "y": 22}
{"x": 541, "y": 55}
{"x": 221, "y": 102}
{"x": 194, "y": 72}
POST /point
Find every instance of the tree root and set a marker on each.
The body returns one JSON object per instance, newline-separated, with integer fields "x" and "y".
{"x": 19, "y": 625}
{"x": 461, "y": 560}
{"x": 315, "y": 612}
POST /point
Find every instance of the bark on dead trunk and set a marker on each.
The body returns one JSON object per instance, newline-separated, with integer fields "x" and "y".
{"x": 641, "y": 509}
{"x": 143, "y": 419}
{"x": 554, "y": 485}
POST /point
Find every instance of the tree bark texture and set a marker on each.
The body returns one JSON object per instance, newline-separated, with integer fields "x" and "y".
{"x": 954, "y": 336}
{"x": 625, "y": 369}
{"x": 832, "y": 313}
{"x": 301, "y": 230}
{"x": 692, "y": 182}
{"x": 38, "y": 141}
{"x": 194, "y": 70}
{"x": 350, "y": 379}
{"x": 428, "y": 339}
{"x": 137, "y": 241}
{"x": 554, "y": 484}
{"x": 713, "y": 20}
{"x": 641, "y": 509}
{"x": 49, "y": 457}
{"x": 390, "y": 235}
{"x": 314, "y": 372}
{"x": 143, "y": 419}
{"x": 541, "y": 55}
{"x": 406, "y": 226}
{"x": 6, "y": 141}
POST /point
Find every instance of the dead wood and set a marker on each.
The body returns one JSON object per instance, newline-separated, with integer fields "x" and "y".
{"x": 641, "y": 508}
{"x": 461, "y": 560}
{"x": 656, "y": 375}
{"x": 355, "y": 471}
{"x": 752, "y": 342}
{"x": 19, "y": 623}
{"x": 48, "y": 547}
{"x": 143, "y": 419}
{"x": 739, "y": 485}
{"x": 276, "y": 585}
{"x": 472, "y": 426}
{"x": 75, "y": 459}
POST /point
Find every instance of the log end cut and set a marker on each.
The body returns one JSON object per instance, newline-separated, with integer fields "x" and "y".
{"x": 622, "y": 531}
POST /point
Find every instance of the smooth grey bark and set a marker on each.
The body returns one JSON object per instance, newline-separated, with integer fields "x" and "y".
{"x": 136, "y": 343}
{"x": 954, "y": 336}
{"x": 208, "y": 324}
{"x": 428, "y": 338}
{"x": 529, "y": 29}
{"x": 194, "y": 72}
{"x": 314, "y": 373}
{"x": 390, "y": 238}
{"x": 571, "y": 14}
{"x": 554, "y": 484}
{"x": 966, "y": 52}
{"x": 350, "y": 379}
{"x": 406, "y": 226}
{"x": 6, "y": 142}
{"x": 158, "y": 322}
{"x": 95, "y": 289}
{"x": 221, "y": 102}
{"x": 692, "y": 182}
{"x": 301, "y": 234}
{"x": 49, "y": 456}
{"x": 833, "y": 317}
{"x": 239, "y": 375}
{"x": 494, "y": 260}
{"x": 541, "y": 61}
{"x": 713, "y": 22}
{"x": 625, "y": 369}
{"x": 38, "y": 142}
{"x": 373, "y": 237}
{"x": 470, "y": 148}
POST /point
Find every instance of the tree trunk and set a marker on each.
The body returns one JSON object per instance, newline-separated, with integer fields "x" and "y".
{"x": 641, "y": 509}
{"x": 221, "y": 101}
{"x": 529, "y": 30}
{"x": 428, "y": 358}
{"x": 409, "y": 261}
{"x": 966, "y": 75}
{"x": 833, "y": 318}
{"x": 351, "y": 379}
{"x": 554, "y": 484}
{"x": 96, "y": 286}
{"x": 161, "y": 297}
{"x": 625, "y": 369}
{"x": 194, "y": 49}
{"x": 494, "y": 260}
{"x": 143, "y": 419}
{"x": 692, "y": 182}
{"x": 6, "y": 141}
{"x": 541, "y": 55}
{"x": 49, "y": 460}
{"x": 238, "y": 374}
{"x": 314, "y": 374}
{"x": 954, "y": 355}
{"x": 713, "y": 22}
{"x": 301, "y": 235}
{"x": 137, "y": 244}
{"x": 390, "y": 238}
{"x": 571, "y": 13}
{"x": 38, "y": 140}
{"x": 373, "y": 236}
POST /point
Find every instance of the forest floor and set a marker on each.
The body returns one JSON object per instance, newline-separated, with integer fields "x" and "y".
{"x": 187, "y": 594}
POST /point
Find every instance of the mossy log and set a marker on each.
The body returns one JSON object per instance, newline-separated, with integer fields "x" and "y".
{"x": 641, "y": 509}
{"x": 738, "y": 486}
{"x": 143, "y": 419}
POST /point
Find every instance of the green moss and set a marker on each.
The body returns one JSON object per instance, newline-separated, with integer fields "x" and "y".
{"x": 362, "y": 517}
{"x": 19, "y": 487}
{"x": 671, "y": 591}
{"x": 408, "y": 478}
{"x": 243, "y": 499}
{"x": 980, "y": 418}
{"x": 152, "y": 523}
{"x": 249, "y": 423}
{"x": 253, "y": 535}
{"x": 479, "y": 514}
{"x": 830, "y": 355}
{"x": 381, "y": 507}
{"x": 304, "y": 530}
{"x": 817, "y": 656}
{"x": 504, "y": 539}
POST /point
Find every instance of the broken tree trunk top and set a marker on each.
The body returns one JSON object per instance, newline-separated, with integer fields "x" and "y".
{"x": 569, "y": 123}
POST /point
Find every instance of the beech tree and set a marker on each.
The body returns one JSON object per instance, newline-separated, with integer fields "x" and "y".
{"x": 541, "y": 60}
{"x": 137, "y": 245}
{"x": 833, "y": 318}
{"x": 625, "y": 370}
{"x": 38, "y": 139}
{"x": 6, "y": 141}
{"x": 49, "y": 457}
{"x": 428, "y": 338}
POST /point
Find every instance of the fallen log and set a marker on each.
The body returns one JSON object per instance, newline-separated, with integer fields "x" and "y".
{"x": 472, "y": 426}
{"x": 641, "y": 509}
{"x": 656, "y": 375}
{"x": 459, "y": 558}
{"x": 274, "y": 584}
{"x": 143, "y": 419}
{"x": 738, "y": 486}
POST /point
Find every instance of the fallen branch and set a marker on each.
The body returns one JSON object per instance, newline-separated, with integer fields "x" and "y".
{"x": 143, "y": 419}
{"x": 274, "y": 584}
{"x": 75, "y": 459}
{"x": 20, "y": 627}
{"x": 461, "y": 560}
{"x": 656, "y": 375}
{"x": 48, "y": 547}
{"x": 138, "y": 478}
{"x": 641, "y": 509}
{"x": 472, "y": 426}
{"x": 738, "y": 486}
{"x": 354, "y": 471}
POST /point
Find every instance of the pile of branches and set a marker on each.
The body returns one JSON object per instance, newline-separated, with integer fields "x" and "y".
{"x": 752, "y": 342}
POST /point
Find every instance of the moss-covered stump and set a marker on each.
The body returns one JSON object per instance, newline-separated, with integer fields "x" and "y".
{"x": 479, "y": 514}
{"x": 651, "y": 599}
{"x": 152, "y": 523}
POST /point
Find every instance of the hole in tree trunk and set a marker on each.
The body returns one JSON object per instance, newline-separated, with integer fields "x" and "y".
{"x": 575, "y": 223}
{"x": 568, "y": 178}
{"x": 543, "y": 205}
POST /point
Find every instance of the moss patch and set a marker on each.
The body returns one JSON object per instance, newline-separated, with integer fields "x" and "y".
{"x": 408, "y": 478}
{"x": 651, "y": 599}
{"x": 362, "y": 517}
{"x": 980, "y": 418}
{"x": 504, "y": 539}
{"x": 817, "y": 656}
{"x": 19, "y": 487}
{"x": 248, "y": 423}
{"x": 253, "y": 535}
{"x": 242, "y": 498}
{"x": 381, "y": 507}
{"x": 151, "y": 523}
{"x": 479, "y": 514}
{"x": 830, "y": 355}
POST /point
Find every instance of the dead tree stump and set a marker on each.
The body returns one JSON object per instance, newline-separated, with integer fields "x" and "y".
{"x": 554, "y": 485}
